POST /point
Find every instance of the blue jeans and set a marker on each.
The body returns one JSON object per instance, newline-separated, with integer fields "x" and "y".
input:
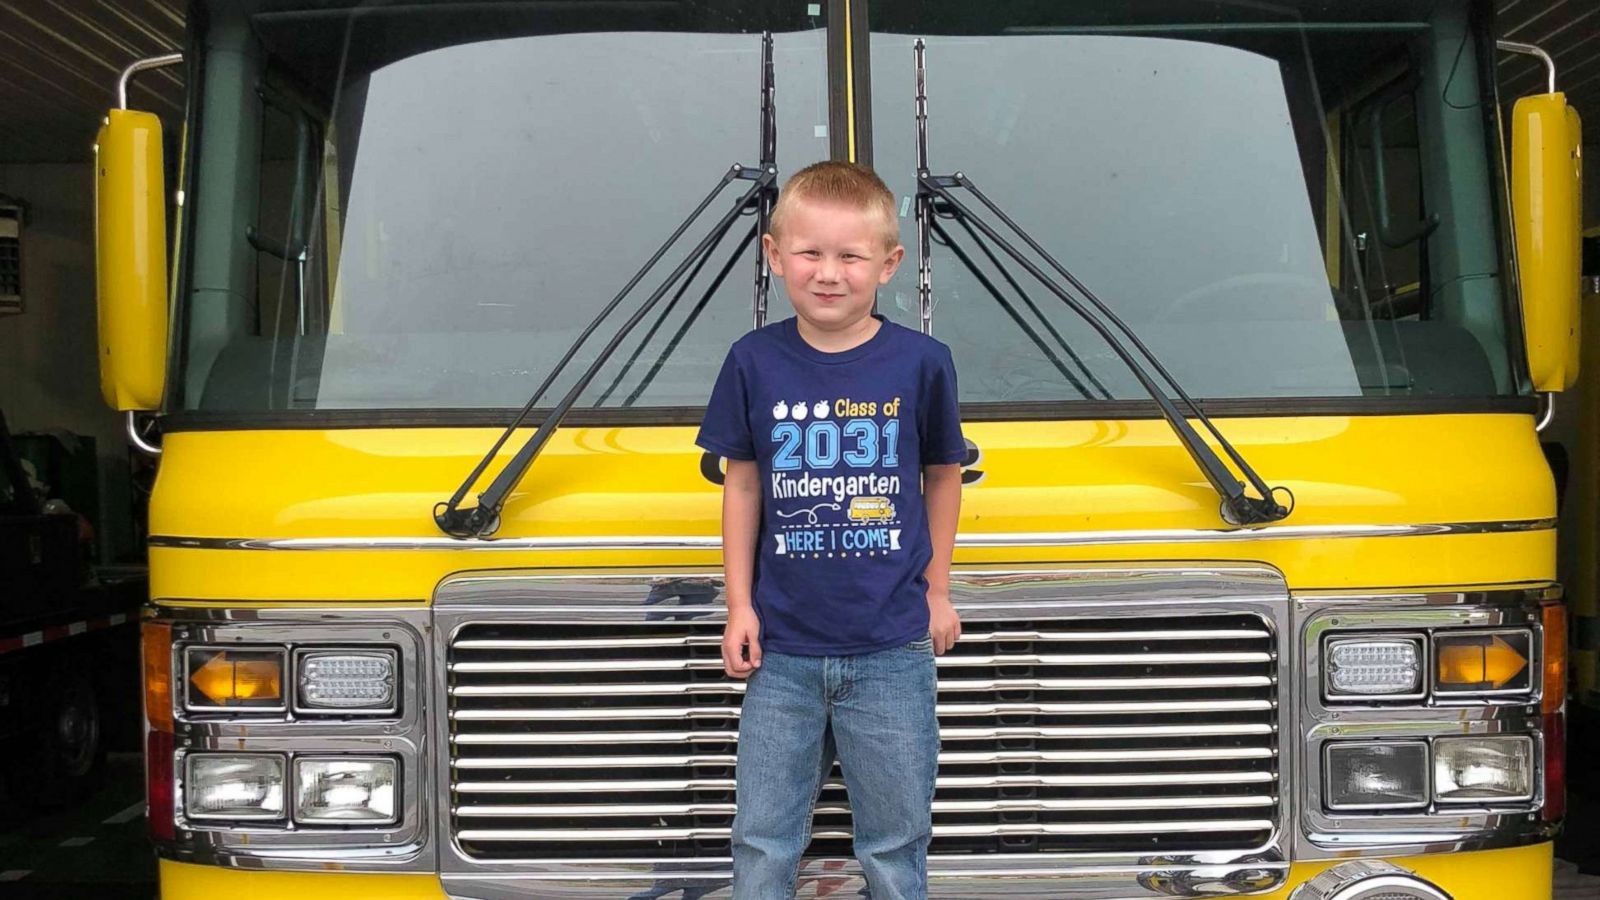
{"x": 876, "y": 710}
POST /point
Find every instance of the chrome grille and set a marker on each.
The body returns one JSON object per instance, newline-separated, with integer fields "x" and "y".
{"x": 1147, "y": 733}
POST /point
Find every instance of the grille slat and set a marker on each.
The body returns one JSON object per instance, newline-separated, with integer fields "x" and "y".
{"x": 726, "y": 784}
{"x": 600, "y": 810}
{"x": 947, "y": 684}
{"x": 1019, "y": 830}
{"x": 1002, "y": 756}
{"x": 949, "y": 734}
{"x": 1114, "y": 733}
{"x": 945, "y": 709}
{"x": 999, "y": 659}
{"x": 625, "y": 642}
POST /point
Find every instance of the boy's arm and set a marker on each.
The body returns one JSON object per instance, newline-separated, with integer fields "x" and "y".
{"x": 741, "y": 509}
{"x": 941, "y": 490}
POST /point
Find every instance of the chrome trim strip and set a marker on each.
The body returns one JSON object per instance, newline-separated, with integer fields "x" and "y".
{"x": 949, "y": 878}
{"x": 990, "y": 661}
{"x": 944, "y": 709}
{"x": 1050, "y": 591}
{"x": 949, "y": 734}
{"x": 953, "y": 757}
{"x": 727, "y": 809}
{"x": 950, "y": 781}
{"x": 966, "y": 540}
{"x": 678, "y": 834}
{"x": 622, "y": 642}
{"x": 948, "y": 684}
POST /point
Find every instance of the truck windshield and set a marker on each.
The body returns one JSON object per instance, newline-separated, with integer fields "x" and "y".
{"x": 471, "y": 189}
{"x": 420, "y": 208}
{"x": 1221, "y": 183}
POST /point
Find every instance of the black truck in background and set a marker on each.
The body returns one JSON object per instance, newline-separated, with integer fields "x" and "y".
{"x": 69, "y": 648}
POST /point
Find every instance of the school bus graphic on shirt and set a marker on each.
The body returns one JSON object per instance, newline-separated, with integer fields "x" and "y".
{"x": 871, "y": 509}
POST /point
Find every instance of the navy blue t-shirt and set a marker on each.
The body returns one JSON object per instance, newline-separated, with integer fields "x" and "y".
{"x": 840, "y": 440}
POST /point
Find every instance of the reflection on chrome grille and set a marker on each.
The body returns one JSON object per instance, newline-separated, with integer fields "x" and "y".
{"x": 1147, "y": 734}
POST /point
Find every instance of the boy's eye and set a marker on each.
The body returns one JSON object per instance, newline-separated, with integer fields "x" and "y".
{"x": 810, "y": 254}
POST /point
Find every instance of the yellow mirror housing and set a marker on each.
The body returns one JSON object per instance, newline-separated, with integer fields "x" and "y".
{"x": 1545, "y": 198}
{"x": 131, "y": 260}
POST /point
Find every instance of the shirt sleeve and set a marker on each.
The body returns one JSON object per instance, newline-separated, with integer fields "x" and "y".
{"x": 725, "y": 430}
{"x": 939, "y": 420}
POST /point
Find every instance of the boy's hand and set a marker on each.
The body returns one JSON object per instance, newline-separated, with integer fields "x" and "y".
{"x": 743, "y": 630}
{"x": 944, "y": 625}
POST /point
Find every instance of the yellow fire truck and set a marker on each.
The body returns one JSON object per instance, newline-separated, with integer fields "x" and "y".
{"x": 1257, "y": 309}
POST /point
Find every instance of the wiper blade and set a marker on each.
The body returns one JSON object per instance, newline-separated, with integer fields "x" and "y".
{"x": 999, "y": 298}
{"x": 688, "y": 322}
{"x": 763, "y": 277}
{"x": 935, "y": 194}
{"x": 484, "y": 518}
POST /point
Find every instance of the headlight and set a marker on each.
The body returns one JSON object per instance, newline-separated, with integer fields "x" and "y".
{"x": 1388, "y": 666}
{"x": 233, "y": 786}
{"x": 353, "y": 681}
{"x": 1483, "y": 769}
{"x": 243, "y": 679}
{"x": 345, "y": 791}
{"x": 1376, "y": 775}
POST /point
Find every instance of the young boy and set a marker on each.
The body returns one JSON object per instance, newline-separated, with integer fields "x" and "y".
{"x": 839, "y": 515}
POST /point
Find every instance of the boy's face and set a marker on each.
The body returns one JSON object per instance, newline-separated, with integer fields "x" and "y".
{"x": 831, "y": 258}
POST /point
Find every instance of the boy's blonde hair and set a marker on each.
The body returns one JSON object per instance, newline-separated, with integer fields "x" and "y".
{"x": 845, "y": 183}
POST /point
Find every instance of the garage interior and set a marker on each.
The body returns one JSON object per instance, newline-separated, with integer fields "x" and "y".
{"x": 59, "y": 64}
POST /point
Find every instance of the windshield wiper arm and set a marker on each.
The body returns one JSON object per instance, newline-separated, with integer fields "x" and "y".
{"x": 689, "y": 320}
{"x": 1237, "y": 507}
{"x": 945, "y": 240}
{"x": 1010, "y": 310}
{"x": 768, "y": 150}
{"x": 484, "y": 518}
{"x": 655, "y": 326}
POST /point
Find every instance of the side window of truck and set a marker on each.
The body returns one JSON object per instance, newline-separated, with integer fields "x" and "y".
{"x": 289, "y": 234}
{"x": 1387, "y": 219}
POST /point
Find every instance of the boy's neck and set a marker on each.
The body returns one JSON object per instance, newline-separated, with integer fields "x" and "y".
{"x": 838, "y": 340}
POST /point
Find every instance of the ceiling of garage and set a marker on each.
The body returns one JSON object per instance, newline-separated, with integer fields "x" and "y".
{"x": 59, "y": 61}
{"x": 1569, "y": 30}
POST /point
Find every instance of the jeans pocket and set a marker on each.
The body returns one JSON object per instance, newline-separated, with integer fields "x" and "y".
{"x": 922, "y": 643}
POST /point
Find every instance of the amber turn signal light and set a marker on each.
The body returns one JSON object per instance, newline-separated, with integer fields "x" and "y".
{"x": 1554, "y": 618}
{"x": 155, "y": 640}
{"x": 230, "y": 678}
{"x": 1493, "y": 662}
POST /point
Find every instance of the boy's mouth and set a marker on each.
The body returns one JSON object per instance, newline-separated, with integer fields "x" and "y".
{"x": 828, "y": 298}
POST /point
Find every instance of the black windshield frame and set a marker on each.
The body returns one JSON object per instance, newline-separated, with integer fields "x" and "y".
{"x": 842, "y": 68}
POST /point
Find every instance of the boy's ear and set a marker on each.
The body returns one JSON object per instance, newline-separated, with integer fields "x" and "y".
{"x": 892, "y": 263}
{"x": 769, "y": 246}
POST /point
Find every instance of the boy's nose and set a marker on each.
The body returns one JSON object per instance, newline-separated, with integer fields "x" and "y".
{"x": 828, "y": 270}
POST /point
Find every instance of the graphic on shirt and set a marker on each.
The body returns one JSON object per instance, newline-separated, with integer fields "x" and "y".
{"x": 840, "y": 462}
{"x": 809, "y": 512}
{"x": 871, "y": 509}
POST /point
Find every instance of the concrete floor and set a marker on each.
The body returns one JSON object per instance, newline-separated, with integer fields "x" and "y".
{"x": 97, "y": 849}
